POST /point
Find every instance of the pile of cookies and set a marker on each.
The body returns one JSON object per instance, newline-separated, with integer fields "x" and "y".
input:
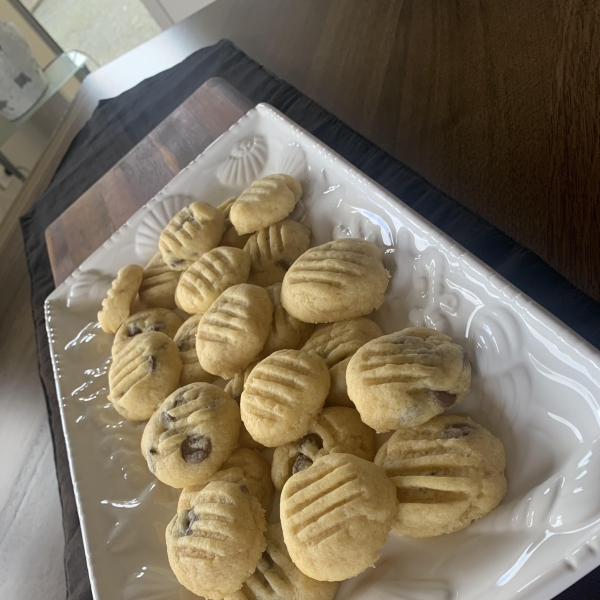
{"x": 239, "y": 342}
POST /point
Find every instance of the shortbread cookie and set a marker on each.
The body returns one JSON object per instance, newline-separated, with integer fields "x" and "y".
{"x": 234, "y": 388}
{"x": 274, "y": 249}
{"x": 158, "y": 286}
{"x": 209, "y": 277}
{"x": 340, "y": 280}
{"x": 119, "y": 299}
{"x": 185, "y": 338}
{"x": 245, "y": 440}
{"x": 406, "y": 378}
{"x": 448, "y": 473}
{"x": 215, "y": 546}
{"x": 286, "y": 331}
{"x": 191, "y": 435}
{"x": 336, "y": 343}
{"x": 336, "y": 516}
{"x": 244, "y": 467}
{"x": 143, "y": 374}
{"x": 338, "y": 392}
{"x": 265, "y": 202}
{"x": 231, "y": 237}
{"x": 282, "y": 396}
{"x": 234, "y": 330}
{"x": 194, "y": 230}
{"x": 278, "y": 578}
{"x": 337, "y": 429}
{"x": 153, "y": 319}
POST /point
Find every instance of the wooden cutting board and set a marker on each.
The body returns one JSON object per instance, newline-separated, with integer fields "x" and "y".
{"x": 141, "y": 174}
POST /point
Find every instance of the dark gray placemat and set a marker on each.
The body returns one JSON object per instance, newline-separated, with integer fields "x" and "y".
{"x": 119, "y": 124}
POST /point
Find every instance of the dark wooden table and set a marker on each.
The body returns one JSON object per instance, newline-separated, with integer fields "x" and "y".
{"x": 496, "y": 103}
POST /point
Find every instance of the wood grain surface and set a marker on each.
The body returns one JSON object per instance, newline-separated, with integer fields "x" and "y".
{"x": 496, "y": 102}
{"x": 141, "y": 174}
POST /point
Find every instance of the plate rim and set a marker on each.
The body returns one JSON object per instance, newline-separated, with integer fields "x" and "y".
{"x": 550, "y": 584}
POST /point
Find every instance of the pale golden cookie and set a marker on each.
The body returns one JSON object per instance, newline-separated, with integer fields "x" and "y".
{"x": 119, "y": 299}
{"x": 194, "y": 230}
{"x": 244, "y": 467}
{"x": 336, "y": 516}
{"x": 185, "y": 338}
{"x": 265, "y": 202}
{"x": 274, "y": 249}
{"x": 234, "y": 330}
{"x": 448, "y": 473}
{"x": 245, "y": 440}
{"x": 336, "y": 343}
{"x": 406, "y": 378}
{"x": 143, "y": 374}
{"x": 158, "y": 286}
{"x": 216, "y": 545}
{"x": 286, "y": 331}
{"x": 337, "y": 429}
{"x": 191, "y": 435}
{"x": 209, "y": 277}
{"x": 153, "y": 319}
{"x": 338, "y": 392}
{"x": 278, "y": 578}
{"x": 282, "y": 396}
{"x": 231, "y": 236}
{"x": 340, "y": 280}
{"x": 234, "y": 388}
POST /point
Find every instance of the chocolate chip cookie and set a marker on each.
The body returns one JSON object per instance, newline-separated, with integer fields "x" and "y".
{"x": 448, "y": 473}
{"x": 282, "y": 396}
{"x": 143, "y": 374}
{"x": 191, "y": 435}
{"x": 337, "y": 429}
{"x": 336, "y": 516}
{"x": 194, "y": 230}
{"x": 215, "y": 545}
{"x": 406, "y": 378}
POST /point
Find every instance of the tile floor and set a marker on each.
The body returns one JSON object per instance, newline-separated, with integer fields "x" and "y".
{"x": 31, "y": 557}
{"x": 104, "y": 29}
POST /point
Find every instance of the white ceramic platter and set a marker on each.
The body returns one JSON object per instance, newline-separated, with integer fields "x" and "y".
{"x": 536, "y": 386}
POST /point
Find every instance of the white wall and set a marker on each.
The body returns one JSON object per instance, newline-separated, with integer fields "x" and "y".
{"x": 169, "y": 12}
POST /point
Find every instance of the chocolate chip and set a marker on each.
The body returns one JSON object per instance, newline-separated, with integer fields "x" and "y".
{"x": 191, "y": 518}
{"x": 302, "y": 462}
{"x": 176, "y": 261}
{"x": 284, "y": 264}
{"x": 444, "y": 399}
{"x": 167, "y": 419}
{"x": 457, "y": 430}
{"x": 195, "y": 449}
{"x": 155, "y": 327}
{"x": 184, "y": 345}
{"x": 133, "y": 330}
{"x": 179, "y": 399}
{"x": 312, "y": 438}
{"x": 151, "y": 363}
{"x": 244, "y": 489}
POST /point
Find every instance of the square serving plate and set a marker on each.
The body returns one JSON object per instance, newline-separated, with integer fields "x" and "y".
{"x": 535, "y": 385}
